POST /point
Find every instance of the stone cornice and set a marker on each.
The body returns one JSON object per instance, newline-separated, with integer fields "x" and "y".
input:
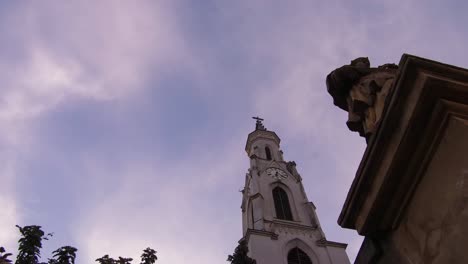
{"x": 323, "y": 242}
{"x": 290, "y": 224}
{"x": 250, "y": 232}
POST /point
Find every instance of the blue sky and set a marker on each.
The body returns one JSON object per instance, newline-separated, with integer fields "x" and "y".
{"x": 124, "y": 123}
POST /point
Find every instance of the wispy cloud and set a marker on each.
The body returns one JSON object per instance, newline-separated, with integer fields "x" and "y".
{"x": 57, "y": 51}
{"x": 169, "y": 206}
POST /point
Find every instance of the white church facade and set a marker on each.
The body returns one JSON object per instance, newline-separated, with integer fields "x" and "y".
{"x": 279, "y": 223}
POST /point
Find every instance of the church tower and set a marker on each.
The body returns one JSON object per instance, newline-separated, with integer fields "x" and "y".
{"x": 279, "y": 223}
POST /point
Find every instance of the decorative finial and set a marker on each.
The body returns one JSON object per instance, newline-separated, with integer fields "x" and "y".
{"x": 258, "y": 124}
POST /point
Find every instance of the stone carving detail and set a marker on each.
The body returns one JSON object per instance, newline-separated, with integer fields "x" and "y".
{"x": 322, "y": 242}
{"x": 361, "y": 91}
{"x": 291, "y": 167}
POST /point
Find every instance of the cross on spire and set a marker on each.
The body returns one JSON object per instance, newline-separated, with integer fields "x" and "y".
{"x": 258, "y": 123}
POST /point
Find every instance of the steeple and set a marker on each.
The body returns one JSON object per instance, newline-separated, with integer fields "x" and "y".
{"x": 279, "y": 223}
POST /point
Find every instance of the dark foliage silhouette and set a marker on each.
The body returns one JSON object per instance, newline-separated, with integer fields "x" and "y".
{"x": 30, "y": 244}
{"x": 124, "y": 260}
{"x": 106, "y": 260}
{"x": 4, "y": 257}
{"x": 64, "y": 255}
{"x": 240, "y": 254}
{"x": 148, "y": 256}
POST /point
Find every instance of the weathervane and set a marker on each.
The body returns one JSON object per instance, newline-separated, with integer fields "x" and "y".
{"x": 258, "y": 123}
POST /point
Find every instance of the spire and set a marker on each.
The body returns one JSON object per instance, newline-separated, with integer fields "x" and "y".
{"x": 258, "y": 124}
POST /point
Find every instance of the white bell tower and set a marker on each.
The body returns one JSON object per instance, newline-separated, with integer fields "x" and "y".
{"x": 279, "y": 223}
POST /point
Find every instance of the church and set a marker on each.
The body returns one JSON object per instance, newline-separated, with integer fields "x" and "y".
{"x": 279, "y": 223}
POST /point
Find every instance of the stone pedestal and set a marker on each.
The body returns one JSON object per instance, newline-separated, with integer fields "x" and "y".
{"x": 409, "y": 197}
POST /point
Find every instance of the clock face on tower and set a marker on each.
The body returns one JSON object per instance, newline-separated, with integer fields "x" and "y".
{"x": 276, "y": 173}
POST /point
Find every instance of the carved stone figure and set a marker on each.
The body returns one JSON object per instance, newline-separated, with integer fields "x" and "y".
{"x": 361, "y": 91}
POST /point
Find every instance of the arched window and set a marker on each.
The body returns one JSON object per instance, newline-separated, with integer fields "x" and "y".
{"x": 297, "y": 256}
{"x": 268, "y": 153}
{"x": 280, "y": 198}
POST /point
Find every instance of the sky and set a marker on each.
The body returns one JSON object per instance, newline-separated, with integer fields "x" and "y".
{"x": 123, "y": 123}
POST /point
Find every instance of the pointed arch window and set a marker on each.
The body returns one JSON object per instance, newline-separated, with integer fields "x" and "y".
{"x": 280, "y": 198}
{"x": 297, "y": 256}
{"x": 268, "y": 153}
